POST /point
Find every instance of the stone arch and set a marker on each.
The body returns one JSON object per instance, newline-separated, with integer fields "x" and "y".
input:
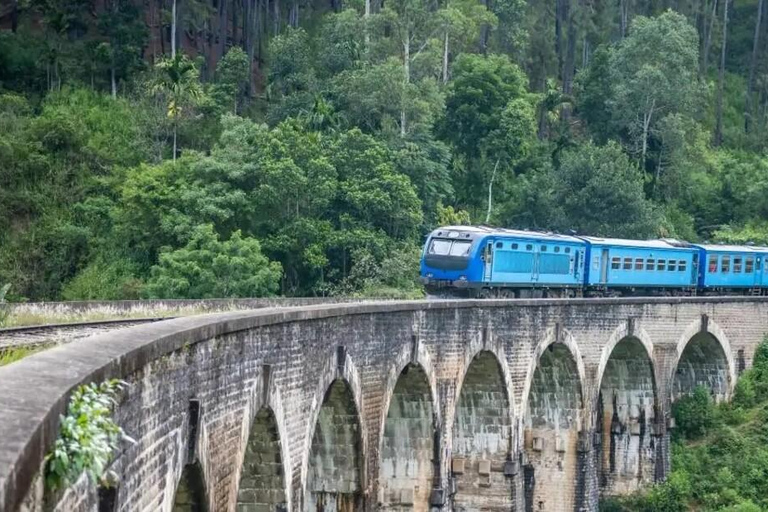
{"x": 408, "y": 440}
{"x": 703, "y": 358}
{"x": 335, "y": 468}
{"x": 626, "y": 414}
{"x": 482, "y": 437}
{"x": 262, "y": 476}
{"x": 190, "y": 492}
{"x": 338, "y": 366}
{"x": 263, "y": 428}
{"x": 554, "y": 400}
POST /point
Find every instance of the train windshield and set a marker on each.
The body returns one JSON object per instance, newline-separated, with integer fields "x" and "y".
{"x": 449, "y": 247}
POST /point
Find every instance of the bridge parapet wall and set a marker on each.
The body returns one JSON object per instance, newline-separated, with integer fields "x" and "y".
{"x": 244, "y": 367}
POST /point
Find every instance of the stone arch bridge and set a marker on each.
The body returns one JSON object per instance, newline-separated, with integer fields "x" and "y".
{"x": 450, "y": 405}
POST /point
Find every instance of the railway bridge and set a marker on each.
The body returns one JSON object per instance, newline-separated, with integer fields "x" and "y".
{"x": 527, "y": 405}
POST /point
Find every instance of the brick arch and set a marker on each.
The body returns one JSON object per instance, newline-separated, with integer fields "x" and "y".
{"x": 625, "y": 414}
{"x": 715, "y": 338}
{"x": 482, "y": 435}
{"x": 407, "y": 442}
{"x": 338, "y": 372}
{"x": 554, "y": 400}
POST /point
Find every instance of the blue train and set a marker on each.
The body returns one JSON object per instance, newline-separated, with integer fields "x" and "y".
{"x": 484, "y": 262}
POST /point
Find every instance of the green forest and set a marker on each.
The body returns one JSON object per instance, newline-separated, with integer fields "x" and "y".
{"x": 222, "y": 148}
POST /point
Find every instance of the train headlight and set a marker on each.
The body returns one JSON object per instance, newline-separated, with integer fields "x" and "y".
{"x": 462, "y": 278}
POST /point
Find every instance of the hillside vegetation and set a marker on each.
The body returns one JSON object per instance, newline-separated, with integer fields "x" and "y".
{"x": 252, "y": 147}
{"x": 719, "y": 452}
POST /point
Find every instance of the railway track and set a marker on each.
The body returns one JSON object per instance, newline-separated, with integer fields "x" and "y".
{"x": 55, "y": 334}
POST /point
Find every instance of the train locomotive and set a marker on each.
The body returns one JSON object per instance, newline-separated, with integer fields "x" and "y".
{"x": 485, "y": 262}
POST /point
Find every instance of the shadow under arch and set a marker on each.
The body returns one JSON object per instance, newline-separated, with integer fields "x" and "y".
{"x": 408, "y": 458}
{"x": 333, "y": 469}
{"x": 191, "y": 491}
{"x": 626, "y": 414}
{"x": 703, "y": 357}
{"x": 554, "y": 400}
{"x": 482, "y": 436}
{"x": 263, "y": 473}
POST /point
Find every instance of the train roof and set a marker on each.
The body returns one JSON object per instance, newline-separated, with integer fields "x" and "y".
{"x": 490, "y": 231}
{"x": 646, "y": 244}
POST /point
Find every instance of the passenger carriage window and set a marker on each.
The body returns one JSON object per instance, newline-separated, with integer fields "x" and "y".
{"x": 650, "y": 264}
{"x": 499, "y": 245}
{"x": 681, "y": 265}
{"x": 737, "y": 264}
{"x": 615, "y": 263}
{"x": 672, "y": 265}
{"x": 460, "y": 248}
{"x": 661, "y": 265}
{"x": 543, "y": 248}
{"x": 596, "y": 263}
{"x": 557, "y": 249}
{"x": 567, "y": 250}
{"x": 440, "y": 247}
{"x": 725, "y": 264}
{"x": 712, "y": 264}
{"x": 529, "y": 247}
{"x": 627, "y": 263}
{"x": 749, "y": 265}
{"x": 639, "y": 264}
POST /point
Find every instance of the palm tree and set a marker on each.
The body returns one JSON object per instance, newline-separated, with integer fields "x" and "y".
{"x": 179, "y": 81}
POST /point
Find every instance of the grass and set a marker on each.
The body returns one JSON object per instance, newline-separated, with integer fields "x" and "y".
{"x": 13, "y": 354}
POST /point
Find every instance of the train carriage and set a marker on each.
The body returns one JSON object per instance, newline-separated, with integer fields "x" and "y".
{"x": 729, "y": 268}
{"x": 641, "y": 266}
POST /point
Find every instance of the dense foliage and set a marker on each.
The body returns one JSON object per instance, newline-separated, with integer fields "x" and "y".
{"x": 253, "y": 148}
{"x": 719, "y": 452}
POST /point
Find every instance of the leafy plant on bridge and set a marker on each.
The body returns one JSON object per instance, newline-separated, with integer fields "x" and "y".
{"x": 88, "y": 437}
{"x": 4, "y": 311}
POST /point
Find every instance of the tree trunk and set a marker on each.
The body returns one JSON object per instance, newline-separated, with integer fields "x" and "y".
{"x": 113, "y": 79}
{"x": 570, "y": 50}
{"x": 559, "y": 7}
{"x": 445, "y": 59}
{"x": 173, "y": 37}
{"x": 752, "y": 66}
{"x": 276, "y": 6}
{"x": 485, "y": 30}
{"x": 647, "y": 118}
{"x": 708, "y": 41}
{"x": 407, "y": 78}
{"x": 15, "y": 16}
{"x": 623, "y": 17}
{"x": 223, "y": 29}
{"x": 490, "y": 192}
{"x": 175, "y": 129}
{"x": 721, "y": 80}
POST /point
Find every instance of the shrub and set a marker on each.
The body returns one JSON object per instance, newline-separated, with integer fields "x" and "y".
{"x": 694, "y": 414}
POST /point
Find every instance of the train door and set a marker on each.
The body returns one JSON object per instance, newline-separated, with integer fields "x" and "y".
{"x": 696, "y": 268}
{"x": 535, "y": 267}
{"x": 759, "y": 270}
{"x": 488, "y": 258}
{"x": 604, "y": 267}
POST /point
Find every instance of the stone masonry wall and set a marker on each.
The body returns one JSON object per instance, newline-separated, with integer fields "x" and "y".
{"x": 349, "y": 357}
